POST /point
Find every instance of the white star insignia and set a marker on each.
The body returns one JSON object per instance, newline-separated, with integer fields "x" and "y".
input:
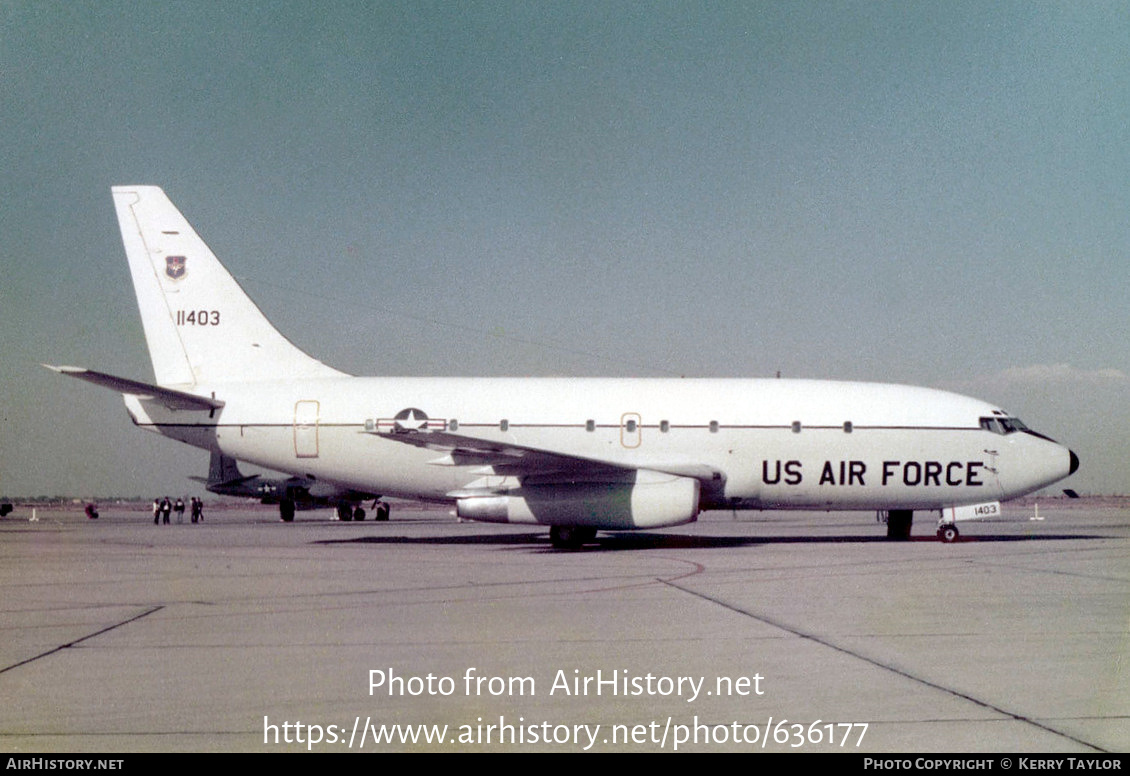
{"x": 413, "y": 421}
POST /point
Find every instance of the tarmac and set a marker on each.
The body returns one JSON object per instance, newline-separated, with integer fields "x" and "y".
{"x": 749, "y": 631}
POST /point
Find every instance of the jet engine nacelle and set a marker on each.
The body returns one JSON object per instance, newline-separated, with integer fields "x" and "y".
{"x": 654, "y": 500}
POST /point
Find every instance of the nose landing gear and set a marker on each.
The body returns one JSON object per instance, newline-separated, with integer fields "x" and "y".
{"x": 948, "y": 533}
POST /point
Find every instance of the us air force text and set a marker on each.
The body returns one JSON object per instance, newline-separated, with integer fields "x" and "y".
{"x": 909, "y": 473}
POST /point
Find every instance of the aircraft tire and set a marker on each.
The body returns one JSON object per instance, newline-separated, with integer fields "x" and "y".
{"x": 948, "y": 533}
{"x": 570, "y": 537}
{"x": 286, "y": 510}
{"x": 899, "y": 522}
{"x": 358, "y": 514}
{"x": 564, "y": 537}
{"x": 382, "y": 511}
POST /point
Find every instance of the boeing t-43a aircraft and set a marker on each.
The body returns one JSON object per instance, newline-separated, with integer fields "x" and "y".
{"x": 576, "y": 455}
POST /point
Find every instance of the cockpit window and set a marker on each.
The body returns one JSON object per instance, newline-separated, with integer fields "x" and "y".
{"x": 1013, "y": 424}
{"x": 1003, "y": 425}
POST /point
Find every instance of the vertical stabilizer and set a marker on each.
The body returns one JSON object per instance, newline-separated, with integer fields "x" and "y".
{"x": 199, "y": 324}
{"x": 222, "y": 469}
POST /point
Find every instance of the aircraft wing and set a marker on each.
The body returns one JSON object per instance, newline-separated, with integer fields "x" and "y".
{"x": 503, "y": 458}
{"x": 173, "y": 399}
{"x": 530, "y": 463}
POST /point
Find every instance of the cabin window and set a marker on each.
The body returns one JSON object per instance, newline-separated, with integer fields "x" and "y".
{"x": 370, "y": 425}
{"x": 630, "y": 426}
{"x": 713, "y": 427}
{"x": 453, "y": 425}
{"x": 847, "y": 427}
{"x": 664, "y": 426}
{"x": 796, "y": 426}
{"x": 504, "y": 425}
{"x": 590, "y": 425}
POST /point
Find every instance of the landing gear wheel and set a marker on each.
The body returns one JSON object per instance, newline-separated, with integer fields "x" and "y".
{"x": 344, "y": 512}
{"x": 382, "y": 511}
{"x": 286, "y": 510}
{"x": 570, "y": 537}
{"x": 898, "y": 524}
{"x": 358, "y": 514}
{"x": 948, "y": 533}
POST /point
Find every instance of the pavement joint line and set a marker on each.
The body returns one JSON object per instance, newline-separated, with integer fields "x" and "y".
{"x": 885, "y": 666}
{"x": 77, "y": 641}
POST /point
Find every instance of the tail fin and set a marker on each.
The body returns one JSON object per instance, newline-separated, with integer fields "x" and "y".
{"x": 222, "y": 470}
{"x": 199, "y": 324}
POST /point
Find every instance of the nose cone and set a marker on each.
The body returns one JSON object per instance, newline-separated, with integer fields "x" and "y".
{"x": 1030, "y": 462}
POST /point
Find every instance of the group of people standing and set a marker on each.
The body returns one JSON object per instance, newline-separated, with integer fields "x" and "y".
{"x": 162, "y": 508}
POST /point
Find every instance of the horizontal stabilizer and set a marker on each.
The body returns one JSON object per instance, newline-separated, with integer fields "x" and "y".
{"x": 174, "y": 400}
{"x": 224, "y": 483}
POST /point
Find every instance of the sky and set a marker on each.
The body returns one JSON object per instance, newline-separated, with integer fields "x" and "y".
{"x": 926, "y": 193}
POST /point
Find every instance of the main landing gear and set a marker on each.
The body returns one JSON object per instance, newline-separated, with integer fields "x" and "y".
{"x": 286, "y": 510}
{"x": 346, "y": 512}
{"x": 898, "y": 524}
{"x": 571, "y": 537}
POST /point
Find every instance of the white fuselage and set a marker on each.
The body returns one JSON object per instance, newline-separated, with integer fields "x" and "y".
{"x": 794, "y": 444}
{"x": 577, "y": 454}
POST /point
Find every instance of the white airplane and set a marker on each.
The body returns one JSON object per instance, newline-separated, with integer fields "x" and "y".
{"x": 575, "y": 454}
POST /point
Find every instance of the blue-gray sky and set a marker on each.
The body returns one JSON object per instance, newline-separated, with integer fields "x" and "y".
{"x": 929, "y": 193}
